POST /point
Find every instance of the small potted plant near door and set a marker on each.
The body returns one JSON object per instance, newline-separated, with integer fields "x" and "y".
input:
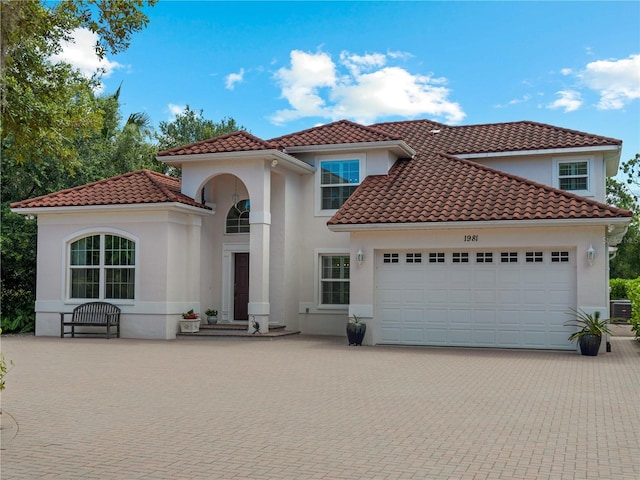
{"x": 592, "y": 327}
{"x": 212, "y": 316}
{"x": 355, "y": 330}
{"x": 190, "y": 322}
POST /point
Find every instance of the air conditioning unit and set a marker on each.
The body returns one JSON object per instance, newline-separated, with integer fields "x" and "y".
{"x": 620, "y": 310}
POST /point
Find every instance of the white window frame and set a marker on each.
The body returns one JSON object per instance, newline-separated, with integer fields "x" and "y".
{"x": 102, "y": 267}
{"x": 582, "y": 159}
{"x": 324, "y": 252}
{"x": 360, "y": 157}
{"x": 226, "y": 231}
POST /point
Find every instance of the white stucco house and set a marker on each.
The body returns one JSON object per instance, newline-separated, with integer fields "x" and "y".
{"x": 478, "y": 235}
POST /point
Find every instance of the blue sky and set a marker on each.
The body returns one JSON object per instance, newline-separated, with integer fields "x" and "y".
{"x": 279, "y": 67}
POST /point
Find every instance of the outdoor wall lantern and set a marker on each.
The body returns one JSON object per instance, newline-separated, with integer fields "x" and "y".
{"x": 360, "y": 257}
{"x": 591, "y": 254}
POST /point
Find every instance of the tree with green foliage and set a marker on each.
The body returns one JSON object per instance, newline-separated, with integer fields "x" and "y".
{"x": 191, "y": 126}
{"x": 55, "y": 133}
{"x": 626, "y": 263}
{"x": 45, "y": 105}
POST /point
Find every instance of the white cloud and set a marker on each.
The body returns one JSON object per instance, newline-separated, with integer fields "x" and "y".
{"x": 233, "y": 78}
{"x": 368, "y": 89}
{"x": 569, "y": 100}
{"x": 80, "y": 53}
{"x": 175, "y": 110}
{"x": 616, "y": 81}
{"x": 357, "y": 63}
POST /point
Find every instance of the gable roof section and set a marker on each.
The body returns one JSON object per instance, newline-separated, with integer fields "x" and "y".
{"x": 340, "y": 132}
{"x": 239, "y": 141}
{"x": 139, "y": 187}
{"x": 450, "y": 189}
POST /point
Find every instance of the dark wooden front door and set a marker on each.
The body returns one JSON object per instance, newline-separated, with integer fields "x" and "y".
{"x": 241, "y": 286}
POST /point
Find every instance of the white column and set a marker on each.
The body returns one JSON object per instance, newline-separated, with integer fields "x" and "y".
{"x": 259, "y": 251}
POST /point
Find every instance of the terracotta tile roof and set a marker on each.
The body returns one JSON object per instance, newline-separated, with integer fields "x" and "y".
{"x": 139, "y": 187}
{"x": 339, "y": 132}
{"x": 426, "y": 136}
{"x": 438, "y": 187}
{"x": 444, "y": 188}
{"x": 240, "y": 141}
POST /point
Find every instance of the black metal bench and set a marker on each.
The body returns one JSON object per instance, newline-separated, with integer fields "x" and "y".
{"x": 92, "y": 314}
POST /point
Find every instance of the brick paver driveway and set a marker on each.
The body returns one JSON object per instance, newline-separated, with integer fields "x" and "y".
{"x": 312, "y": 407}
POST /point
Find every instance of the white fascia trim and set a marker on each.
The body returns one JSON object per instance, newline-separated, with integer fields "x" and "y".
{"x": 550, "y": 151}
{"x": 292, "y": 162}
{"x": 399, "y": 146}
{"x": 171, "y": 206}
{"x": 481, "y": 224}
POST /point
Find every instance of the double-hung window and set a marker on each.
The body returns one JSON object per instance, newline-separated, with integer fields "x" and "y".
{"x": 339, "y": 177}
{"x": 573, "y": 175}
{"x": 102, "y": 266}
{"x": 334, "y": 279}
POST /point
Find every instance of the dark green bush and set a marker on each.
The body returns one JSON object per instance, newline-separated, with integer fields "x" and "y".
{"x": 18, "y": 311}
{"x": 618, "y": 288}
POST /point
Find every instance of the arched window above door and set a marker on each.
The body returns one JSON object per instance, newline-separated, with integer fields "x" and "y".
{"x": 238, "y": 217}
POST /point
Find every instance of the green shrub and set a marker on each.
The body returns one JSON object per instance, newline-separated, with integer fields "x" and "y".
{"x": 633, "y": 292}
{"x": 18, "y": 311}
{"x": 618, "y": 288}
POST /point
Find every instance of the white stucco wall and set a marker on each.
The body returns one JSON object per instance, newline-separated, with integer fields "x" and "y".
{"x": 167, "y": 276}
{"x": 543, "y": 169}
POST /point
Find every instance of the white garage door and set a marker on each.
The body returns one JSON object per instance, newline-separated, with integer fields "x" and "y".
{"x": 490, "y": 298}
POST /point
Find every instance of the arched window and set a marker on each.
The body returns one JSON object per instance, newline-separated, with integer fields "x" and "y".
{"x": 102, "y": 266}
{"x": 238, "y": 217}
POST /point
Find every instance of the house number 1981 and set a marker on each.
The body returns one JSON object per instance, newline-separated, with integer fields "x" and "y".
{"x": 471, "y": 238}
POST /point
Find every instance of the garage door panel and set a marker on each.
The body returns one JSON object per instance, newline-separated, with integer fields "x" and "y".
{"x": 485, "y": 297}
{"x": 497, "y": 304}
{"x": 509, "y": 338}
{"x": 460, "y": 337}
{"x": 485, "y": 317}
{"x": 485, "y": 337}
{"x": 460, "y": 296}
{"x": 413, "y": 316}
{"x": 413, "y": 335}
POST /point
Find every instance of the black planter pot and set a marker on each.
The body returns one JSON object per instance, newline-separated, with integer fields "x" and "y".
{"x": 355, "y": 333}
{"x": 590, "y": 344}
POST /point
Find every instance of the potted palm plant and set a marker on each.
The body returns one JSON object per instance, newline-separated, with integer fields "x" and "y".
{"x": 190, "y": 322}
{"x": 356, "y": 330}
{"x": 592, "y": 328}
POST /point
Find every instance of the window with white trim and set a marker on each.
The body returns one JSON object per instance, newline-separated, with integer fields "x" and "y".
{"x": 509, "y": 257}
{"x": 559, "y": 257}
{"x": 534, "y": 257}
{"x": 102, "y": 266}
{"x": 436, "y": 257}
{"x": 238, "y": 217}
{"x": 338, "y": 180}
{"x": 573, "y": 175}
{"x": 484, "y": 257}
{"x": 460, "y": 257}
{"x": 334, "y": 279}
{"x": 414, "y": 258}
{"x": 390, "y": 258}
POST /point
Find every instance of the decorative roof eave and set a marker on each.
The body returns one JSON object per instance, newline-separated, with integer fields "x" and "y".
{"x": 398, "y": 147}
{"x": 292, "y": 162}
{"x": 128, "y": 207}
{"x": 613, "y": 223}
